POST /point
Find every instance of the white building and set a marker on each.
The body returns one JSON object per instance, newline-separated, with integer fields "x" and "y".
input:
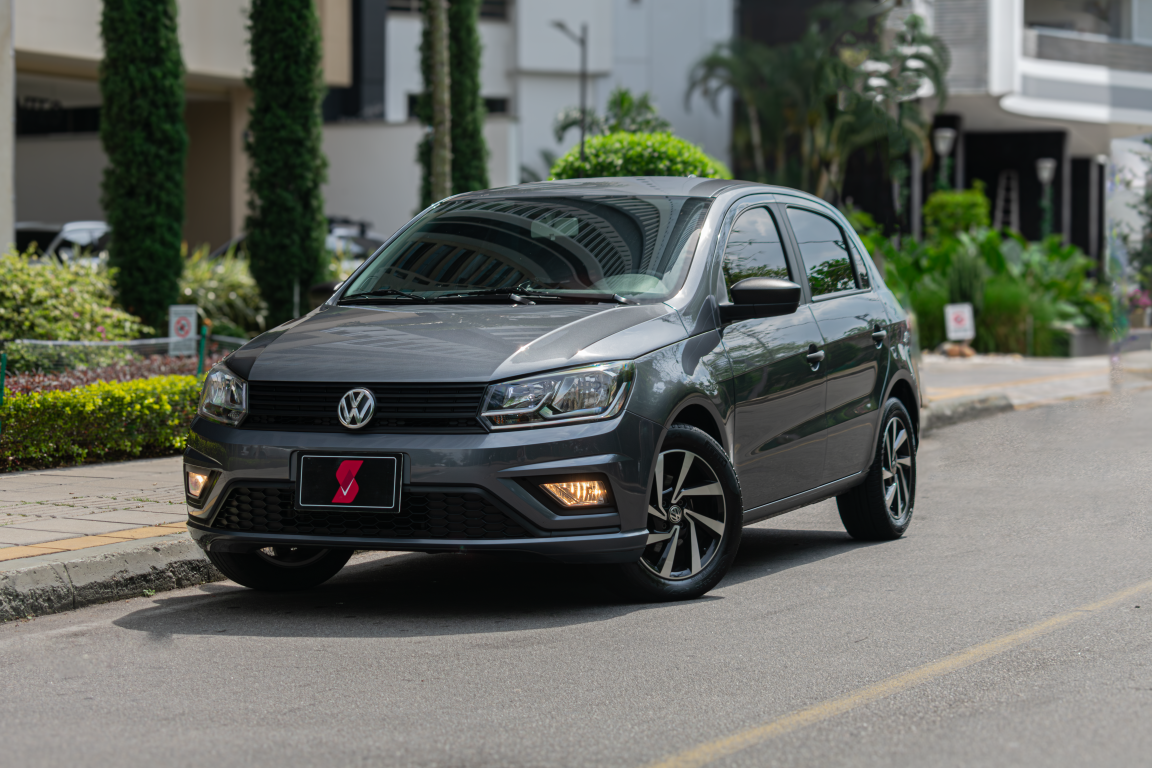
{"x": 1048, "y": 78}
{"x": 529, "y": 72}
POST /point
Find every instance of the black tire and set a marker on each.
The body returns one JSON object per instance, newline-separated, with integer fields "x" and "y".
{"x": 706, "y": 527}
{"x": 867, "y": 511}
{"x": 281, "y": 569}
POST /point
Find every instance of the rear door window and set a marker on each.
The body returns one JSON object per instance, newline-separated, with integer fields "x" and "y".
{"x": 824, "y": 250}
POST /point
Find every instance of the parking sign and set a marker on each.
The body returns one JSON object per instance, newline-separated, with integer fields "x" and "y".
{"x": 959, "y": 322}
{"x": 182, "y": 329}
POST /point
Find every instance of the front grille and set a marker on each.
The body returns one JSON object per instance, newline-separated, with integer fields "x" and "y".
{"x": 283, "y": 405}
{"x": 441, "y": 513}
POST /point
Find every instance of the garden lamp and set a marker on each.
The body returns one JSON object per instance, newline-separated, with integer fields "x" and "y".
{"x": 943, "y": 140}
{"x": 1046, "y": 172}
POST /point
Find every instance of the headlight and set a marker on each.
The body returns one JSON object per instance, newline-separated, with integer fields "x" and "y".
{"x": 225, "y": 397}
{"x": 591, "y": 393}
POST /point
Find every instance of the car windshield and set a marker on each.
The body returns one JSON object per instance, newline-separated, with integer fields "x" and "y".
{"x": 637, "y": 248}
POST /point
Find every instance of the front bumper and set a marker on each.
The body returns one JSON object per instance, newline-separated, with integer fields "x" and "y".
{"x": 502, "y": 466}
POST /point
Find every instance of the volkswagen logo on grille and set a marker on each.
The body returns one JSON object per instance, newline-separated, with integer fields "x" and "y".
{"x": 356, "y": 408}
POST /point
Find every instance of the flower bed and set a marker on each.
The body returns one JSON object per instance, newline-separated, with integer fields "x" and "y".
{"x": 63, "y": 381}
{"x": 105, "y": 421}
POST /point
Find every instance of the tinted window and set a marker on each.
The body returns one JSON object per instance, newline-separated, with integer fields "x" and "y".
{"x": 754, "y": 248}
{"x": 638, "y": 247}
{"x": 824, "y": 250}
{"x": 861, "y": 268}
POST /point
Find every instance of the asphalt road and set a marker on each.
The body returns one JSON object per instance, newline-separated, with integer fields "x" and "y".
{"x": 450, "y": 660}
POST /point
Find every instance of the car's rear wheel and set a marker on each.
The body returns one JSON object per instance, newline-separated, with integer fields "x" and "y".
{"x": 281, "y": 569}
{"x": 695, "y": 518}
{"x": 881, "y": 507}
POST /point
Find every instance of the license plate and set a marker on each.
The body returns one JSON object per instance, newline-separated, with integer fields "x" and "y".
{"x": 353, "y": 483}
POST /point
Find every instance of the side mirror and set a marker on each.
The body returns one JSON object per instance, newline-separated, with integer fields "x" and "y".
{"x": 757, "y": 297}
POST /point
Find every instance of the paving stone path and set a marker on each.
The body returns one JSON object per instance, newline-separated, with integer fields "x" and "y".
{"x": 55, "y": 504}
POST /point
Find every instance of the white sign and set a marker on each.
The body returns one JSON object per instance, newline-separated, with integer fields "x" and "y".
{"x": 182, "y": 321}
{"x": 959, "y": 322}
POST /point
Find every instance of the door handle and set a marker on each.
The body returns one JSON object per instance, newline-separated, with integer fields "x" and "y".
{"x": 879, "y": 335}
{"x": 815, "y": 356}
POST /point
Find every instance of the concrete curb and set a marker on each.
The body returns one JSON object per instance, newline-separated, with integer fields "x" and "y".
{"x": 960, "y": 409}
{"x": 63, "y": 581}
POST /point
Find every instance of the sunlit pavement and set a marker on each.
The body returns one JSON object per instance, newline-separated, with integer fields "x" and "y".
{"x": 1028, "y": 382}
{"x": 463, "y": 661}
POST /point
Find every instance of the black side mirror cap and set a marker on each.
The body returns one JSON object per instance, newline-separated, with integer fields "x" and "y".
{"x": 756, "y": 297}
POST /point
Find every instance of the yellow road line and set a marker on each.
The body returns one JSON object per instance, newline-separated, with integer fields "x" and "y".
{"x": 714, "y": 750}
{"x": 83, "y": 542}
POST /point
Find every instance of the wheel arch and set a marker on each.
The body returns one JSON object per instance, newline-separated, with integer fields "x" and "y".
{"x": 903, "y": 389}
{"x": 699, "y": 412}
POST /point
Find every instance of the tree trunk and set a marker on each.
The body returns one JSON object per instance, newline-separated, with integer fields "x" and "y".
{"x": 757, "y": 145}
{"x": 437, "y": 21}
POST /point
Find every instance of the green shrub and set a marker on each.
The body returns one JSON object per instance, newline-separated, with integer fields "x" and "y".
{"x": 224, "y": 291}
{"x": 62, "y": 302}
{"x": 142, "y": 129}
{"x": 638, "y": 154}
{"x": 947, "y": 213}
{"x": 99, "y": 422}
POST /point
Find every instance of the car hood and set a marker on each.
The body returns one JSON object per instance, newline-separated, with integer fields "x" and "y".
{"x": 452, "y": 342}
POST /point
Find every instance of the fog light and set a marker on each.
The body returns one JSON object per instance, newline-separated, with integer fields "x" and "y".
{"x": 196, "y": 483}
{"x": 579, "y": 493}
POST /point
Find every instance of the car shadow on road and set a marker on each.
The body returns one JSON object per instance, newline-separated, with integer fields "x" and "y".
{"x": 420, "y": 595}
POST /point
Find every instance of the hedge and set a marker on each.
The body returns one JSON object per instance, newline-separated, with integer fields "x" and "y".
{"x": 638, "y": 154}
{"x": 100, "y": 422}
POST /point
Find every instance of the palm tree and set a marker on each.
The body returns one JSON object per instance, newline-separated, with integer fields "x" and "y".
{"x": 625, "y": 112}
{"x": 745, "y": 68}
{"x": 816, "y": 101}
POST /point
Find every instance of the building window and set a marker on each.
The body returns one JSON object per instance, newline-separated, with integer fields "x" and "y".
{"x": 489, "y": 9}
{"x": 496, "y": 106}
{"x": 494, "y": 9}
{"x": 37, "y": 117}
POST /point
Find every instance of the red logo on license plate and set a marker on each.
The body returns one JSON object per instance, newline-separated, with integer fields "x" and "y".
{"x": 346, "y": 476}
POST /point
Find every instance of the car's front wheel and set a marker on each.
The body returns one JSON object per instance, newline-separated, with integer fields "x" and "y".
{"x": 881, "y": 507}
{"x": 281, "y": 569}
{"x": 695, "y": 518}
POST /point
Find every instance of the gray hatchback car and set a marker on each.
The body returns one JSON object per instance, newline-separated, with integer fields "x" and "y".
{"x": 623, "y": 371}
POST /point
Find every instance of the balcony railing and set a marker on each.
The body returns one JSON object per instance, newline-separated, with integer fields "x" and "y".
{"x": 1084, "y": 48}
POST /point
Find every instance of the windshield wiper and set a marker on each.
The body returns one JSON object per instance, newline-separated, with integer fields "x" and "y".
{"x": 527, "y": 296}
{"x": 381, "y": 293}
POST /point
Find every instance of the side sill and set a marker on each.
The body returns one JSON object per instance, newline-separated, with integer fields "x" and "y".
{"x": 813, "y": 496}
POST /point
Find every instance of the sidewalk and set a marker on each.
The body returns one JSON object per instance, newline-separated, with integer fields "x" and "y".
{"x": 1028, "y": 382}
{"x": 57, "y": 510}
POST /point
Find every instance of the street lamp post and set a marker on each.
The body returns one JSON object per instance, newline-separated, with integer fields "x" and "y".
{"x": 1046, "y": 172}
{"x": 582, "y": 41}
{"x": 943, "y": 139}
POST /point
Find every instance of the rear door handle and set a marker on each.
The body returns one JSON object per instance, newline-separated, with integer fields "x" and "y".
{"x": 879, "y": 335}
{"x": 816, "y": 357}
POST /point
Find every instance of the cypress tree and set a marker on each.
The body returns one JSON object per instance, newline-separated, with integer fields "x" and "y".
{"x": 286, "y": 224}
{"x": 469, "y": 150}
{"x": 142, "y": 129}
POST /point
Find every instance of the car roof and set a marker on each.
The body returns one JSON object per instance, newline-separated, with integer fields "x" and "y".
{"x": 680, "y": 186}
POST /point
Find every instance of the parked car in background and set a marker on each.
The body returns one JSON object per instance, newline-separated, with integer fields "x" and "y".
{"x": 73, "y": 242}
{"x": 620, "y": 371}
{"x": 353, "y": 241}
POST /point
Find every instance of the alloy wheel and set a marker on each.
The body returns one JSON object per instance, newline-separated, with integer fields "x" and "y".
{"x": 686, "y": 516}
{"x": 896, "y": 470}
